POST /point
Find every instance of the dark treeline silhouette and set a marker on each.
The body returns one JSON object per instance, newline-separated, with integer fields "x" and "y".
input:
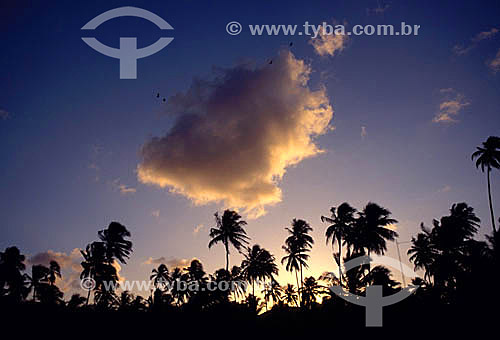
{"x": 458, "y": 269}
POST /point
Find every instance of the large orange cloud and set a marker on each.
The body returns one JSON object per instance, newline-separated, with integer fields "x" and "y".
{"x": 237, "y": 133}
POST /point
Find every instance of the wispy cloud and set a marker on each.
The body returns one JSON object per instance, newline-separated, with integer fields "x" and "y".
{"x": 328, "y": 44}
{"x": 446, "y": 188}
{"x": 4, "y": 114}
{"x": 450, "y": 106}
{"x": 198, "y": 228}
{"x": 122, "y": 188}
{"x": 494, "y": 64}
{"x": 233, "y": 141}
{"x": 171, "y": 262}
{"x": 462, "y": 49}
{"x": 379, "y": 10}
{"x": 95, "y": 154}
{"x": 155, "y": 213}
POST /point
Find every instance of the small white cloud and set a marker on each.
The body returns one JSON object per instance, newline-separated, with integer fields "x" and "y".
{"x": 450, "y": 106}
{"x": 446, "y": 90}
{"x": 156, "y": 213}
{"x": 4, "y": 114}
{"x": 171, "y": 262}
{"x": 122, "y": 188}
{"x": 379, "y": 10}
{"x": 494, "y": 64}
{"x": 198, "y": 228}
{"x": 461, "y": 49}
{"x": 363, "y": 132}
{"x": 485, "y": 35}
{"x": 328, "y": 43}
{"x": 446, "y": 188}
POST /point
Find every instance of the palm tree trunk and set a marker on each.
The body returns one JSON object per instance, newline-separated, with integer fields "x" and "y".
{"x": 340, "y": 262}
{"x": 88, "y": 293}
{"x": 88, "y": 297}
{"x": 227, "y": 257}
{"x": 489, "y": 197}
{"x": 301, "y": 281}
{"x": 298, "y": 289}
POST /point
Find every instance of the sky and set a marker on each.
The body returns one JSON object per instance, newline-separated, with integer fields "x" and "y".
{"x": 388, "y": 119}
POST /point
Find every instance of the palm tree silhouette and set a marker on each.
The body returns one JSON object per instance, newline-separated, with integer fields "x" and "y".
{"x": 54, "y": 272}
{"x": 258, "y": 264}
{"x": 39, "y": 274}
{"x": 98, "y": 262}
{"x": 178, "y": 293}
{"x": 310, "y": 290}
{"x": 300, "y": 241}
{"x": 76, "y": 301}
{"x": 160, "y": 276}
{"x": 93, "y": 260}
{"x": 290, "y": 295}
{"x": 448, "y": 253}
{"x": 236, "y": 276}
{"x": 422, "y": 252}
{"x": 11, "y": 266}
{"x": 342, "y": 220}
{"x": 272, "y": 292}
{"x": 116, "y": 244}
{"x": 370, "y": 230}
{"x": 489, "y": 156}
{"x": 295, "y": 259}
{"x": 124, "y": 302}
{"x": 228, "y": 230}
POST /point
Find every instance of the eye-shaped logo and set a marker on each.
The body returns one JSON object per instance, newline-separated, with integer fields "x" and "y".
{"x": 128, "y": 53}
{"x": 374, "y": 301}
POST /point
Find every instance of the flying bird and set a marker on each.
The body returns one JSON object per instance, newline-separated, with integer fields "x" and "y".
{"x": 291, "y": 44}
{"x": 270, "y": 62}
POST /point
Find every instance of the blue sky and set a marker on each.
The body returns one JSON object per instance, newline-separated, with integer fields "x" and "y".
{"x": 74, "y": 130}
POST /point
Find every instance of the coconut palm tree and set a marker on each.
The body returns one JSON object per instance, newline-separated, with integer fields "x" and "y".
{"x": 295, "y": 259}
{"x": 12, "y": 281}
{"x": 272, "y": 292}
{"x": 124, "y": 302}
{"x": 290, "y": 295}
{"x": 76, "y": 301}
{"x": 341, "y": 221}
{"x": 258, "y": 264}
{"x": 310, "y": 290}
{"x": 229, "y": 231}
{"x": 54, "y": 272}
{"x": 371, "y": 232}
{"x": 160, "y": 276}
{"x": 300, "y": 241}
{"x": 488, "y": 156}
{"x": 39, "y": 274}
{"x": 114, "y": 238}
{"x": 178, "y": 293}
{"x": 422, "y": 252}
{"x": 236, "y": 278}
{"x": 94, "y": 257}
